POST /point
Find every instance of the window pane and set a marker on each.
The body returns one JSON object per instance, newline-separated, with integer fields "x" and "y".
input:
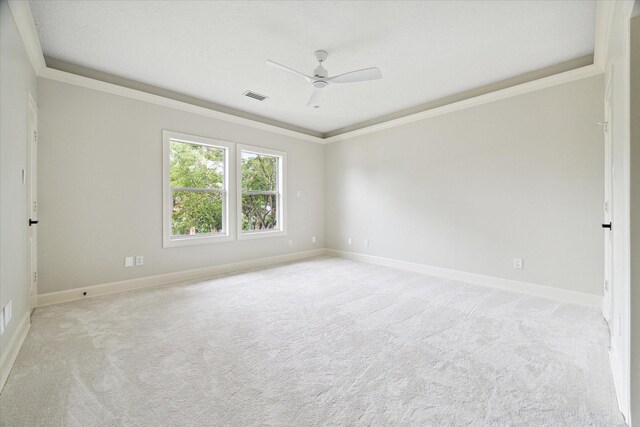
{"x": 259, "y": 172}
{"x": 196, "y": 166}
{"x": 259, "y": 212}
{"x": 196, "y": 213}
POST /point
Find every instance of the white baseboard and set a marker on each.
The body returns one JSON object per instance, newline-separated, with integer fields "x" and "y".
{"x": 10, "y": 353}
{"x": 203, "y": 273}
{"x": 557, "y": 294}
{"x": 168, "y": 278}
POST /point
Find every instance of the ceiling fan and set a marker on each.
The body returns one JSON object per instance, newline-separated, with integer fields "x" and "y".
{"x": 321, "y": 79}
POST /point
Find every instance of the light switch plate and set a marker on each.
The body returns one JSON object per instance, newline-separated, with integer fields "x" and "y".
{"x": 128, "y": 261}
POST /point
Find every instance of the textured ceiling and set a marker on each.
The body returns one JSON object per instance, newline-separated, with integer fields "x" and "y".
{"x": 217, "y": 50}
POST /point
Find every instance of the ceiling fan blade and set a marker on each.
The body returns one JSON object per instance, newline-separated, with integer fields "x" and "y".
{"x": 315, "y": 97}
{"x": 357, "y": 76}
{"x": 288, "y": 70}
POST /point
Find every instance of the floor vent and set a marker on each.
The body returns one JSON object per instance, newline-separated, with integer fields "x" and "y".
{"x": 255, "y": 95}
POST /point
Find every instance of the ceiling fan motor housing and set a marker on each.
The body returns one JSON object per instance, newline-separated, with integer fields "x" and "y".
{"x": 320, "y": 72}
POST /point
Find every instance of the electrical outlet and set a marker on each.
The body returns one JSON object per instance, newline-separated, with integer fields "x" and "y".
{"x": 349, "y": 240}
{"x": 518, "y": 263}
{"x": 8, "y": 313}
{"x": 139, "y": 260}
{"x": 290, "y": 242}
{"x": 313, "y": 239}
{"x": 128, "y": 261}
{"x": 366, "y": 243}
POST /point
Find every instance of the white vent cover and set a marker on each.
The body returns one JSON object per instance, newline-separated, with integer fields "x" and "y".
{"x": 255, "y": 95}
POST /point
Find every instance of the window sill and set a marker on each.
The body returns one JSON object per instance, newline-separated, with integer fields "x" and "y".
{"x": 260, "y": 234}
{"x": 192, "y": 241}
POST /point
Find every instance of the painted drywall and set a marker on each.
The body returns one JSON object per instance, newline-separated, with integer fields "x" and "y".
{"x": 635, "y": 216}
{"x": 100, "y": 183}
{"x": 16, "y": 79}
{"x": 617, "y": 69}
{"x": 473, "y": 189}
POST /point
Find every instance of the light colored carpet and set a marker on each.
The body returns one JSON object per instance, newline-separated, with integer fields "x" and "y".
{"x": 324, "y": 341}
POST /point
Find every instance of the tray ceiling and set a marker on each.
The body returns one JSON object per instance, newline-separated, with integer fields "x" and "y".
{"x": 217, "y": 50}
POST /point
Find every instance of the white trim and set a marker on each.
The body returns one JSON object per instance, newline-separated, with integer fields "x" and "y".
{"x": 550, "y": 81}
{"x": 227, "y": 212}
{"x": 615, "y": 369}
{"x": 543, "y": 83}
{"x": 24, "y": 21}
{"x": 10, "y": 353}
{"x": 282, "y": 184}
{"x": 32, "y": 199}
{"x": 604, "y": 19}
{"x": 74, "y": 79}
{"x": 169, "y": 278}
{"x": 543, "y": 291}
{"x": 546, "y": 82}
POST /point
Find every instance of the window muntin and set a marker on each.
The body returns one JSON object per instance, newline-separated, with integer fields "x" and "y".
{"x": 261, "y": 198}
{"x": 196, "y": 190}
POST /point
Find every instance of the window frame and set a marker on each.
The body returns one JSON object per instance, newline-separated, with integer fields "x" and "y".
{"x": 228, "y": 218}
{"x": 282, "y": 190}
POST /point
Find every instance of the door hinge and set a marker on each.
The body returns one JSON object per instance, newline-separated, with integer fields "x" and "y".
{"x": 606, "y": 285}
{"x": 605, "y": 125}
{"x": 35, "y": 276}
{"x": 35, "y": 136}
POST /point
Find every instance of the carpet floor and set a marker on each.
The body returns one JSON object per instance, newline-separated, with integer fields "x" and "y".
{"x": 323, "y": 341}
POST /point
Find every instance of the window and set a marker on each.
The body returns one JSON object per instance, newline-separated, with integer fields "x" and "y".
{"x": 196, "y": 190}
{"x": 261, "y": 200}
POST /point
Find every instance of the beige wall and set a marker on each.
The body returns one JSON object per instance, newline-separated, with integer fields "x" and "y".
{"x": 16, "y": 79}
{"x": 100, "y": 189}
{"x": 473, "y": 189}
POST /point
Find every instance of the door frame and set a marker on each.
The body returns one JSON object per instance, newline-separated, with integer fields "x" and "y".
{"x": 31, "y": 181}
{"x": 608, "y": 201}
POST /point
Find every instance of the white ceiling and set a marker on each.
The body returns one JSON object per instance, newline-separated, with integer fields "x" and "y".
{"x": 217, "y": 50}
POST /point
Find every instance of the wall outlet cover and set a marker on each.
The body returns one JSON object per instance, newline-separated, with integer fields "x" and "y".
{"x": 518, "y": 263}
{"x": 139, "y": 260}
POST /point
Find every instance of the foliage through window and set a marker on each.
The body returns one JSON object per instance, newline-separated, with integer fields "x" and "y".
{"x": 261, "y": 184}
{"x": 198, "y": 189}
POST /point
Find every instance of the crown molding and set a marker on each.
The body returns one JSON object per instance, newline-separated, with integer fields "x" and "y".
{"x": 604, "y": 19}
{"x": 546, "y": 82}
{"x": 27, "y": 28}
{"x": 74, "y": 79}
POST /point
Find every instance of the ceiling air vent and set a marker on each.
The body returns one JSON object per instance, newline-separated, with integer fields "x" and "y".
{"x": 255, "y": 95}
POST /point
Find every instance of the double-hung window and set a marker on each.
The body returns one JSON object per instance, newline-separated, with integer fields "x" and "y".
{"x": 261, "y": 192}
{"x": 196, "y": 189}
